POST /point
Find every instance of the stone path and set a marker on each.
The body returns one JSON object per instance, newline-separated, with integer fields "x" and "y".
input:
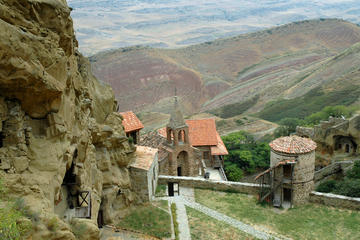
{"x": 231, "y": 221}
{"x": 187, "y": 198}
{"x": 181, "y": 217}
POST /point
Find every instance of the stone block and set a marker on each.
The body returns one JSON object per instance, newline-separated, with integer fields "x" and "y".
{"x": 20, "y": 163}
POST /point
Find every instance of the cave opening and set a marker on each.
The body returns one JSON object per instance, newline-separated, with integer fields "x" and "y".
{"x": 70, "y": 176}
{"x": 2, "y": 137}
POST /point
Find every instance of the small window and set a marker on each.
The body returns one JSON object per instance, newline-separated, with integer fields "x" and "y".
{"x": 287, "y": 171}
{"x": 206, "y": 155}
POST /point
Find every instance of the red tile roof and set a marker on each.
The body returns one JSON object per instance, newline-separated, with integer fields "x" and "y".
{"x": 293, "y": 145}
{"x": 202, "y": 132}
{"x": 131, "y": 122}
{"x": 220, "y": 148}
{"x": 144, "y": 157}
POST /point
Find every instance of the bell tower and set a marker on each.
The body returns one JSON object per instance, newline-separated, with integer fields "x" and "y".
{"x": 177, "y": 132}
{"x": 180, "y": 161}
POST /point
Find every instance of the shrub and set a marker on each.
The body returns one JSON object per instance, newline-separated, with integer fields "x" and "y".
{"x": 52, "y": 224}
{"x": 78, "y": 229}
{"x": 327, "y": 186}
{"x": 176, "y": 225}
{"x": 355, "y": 171}
{"x": 245, "y": 154}
{"x": 233, "y": 172}
{"x": 11, "y": 226}
{"x": 349, "y": 187}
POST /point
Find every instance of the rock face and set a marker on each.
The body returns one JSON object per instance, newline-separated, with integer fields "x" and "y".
{"x": 56, "y": 121}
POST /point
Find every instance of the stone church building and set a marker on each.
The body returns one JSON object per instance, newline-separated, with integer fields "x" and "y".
{"x": 191, "y": 146}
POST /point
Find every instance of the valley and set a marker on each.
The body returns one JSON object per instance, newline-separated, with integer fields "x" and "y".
{"x": 240, "y": 75}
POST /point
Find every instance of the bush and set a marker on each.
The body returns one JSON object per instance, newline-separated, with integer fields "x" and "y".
{"x": 327, "y": 186}
{"x": 349, "y": 187}
{"x": 11, "y": 226}
{"x": 355, "y": 171}
{"x": 233, "y": 172}
{"x": 245, "y": 154}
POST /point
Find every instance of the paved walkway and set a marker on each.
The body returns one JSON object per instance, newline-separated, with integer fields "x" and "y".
{"x": 181, "y": 218}
{"x": 231, "y": 221}
{"x": 214, "y": 174}
{"x": 187, "y": 198}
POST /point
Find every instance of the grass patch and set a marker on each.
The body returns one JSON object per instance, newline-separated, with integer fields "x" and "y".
{"x": 205, "y": 227}
{"x": 148, "y": 219}
{"x": 312, "y": 102}
{"x": 310, "y": 221}
{"x": 163, "y": 204}
{"x": 160, "y": 190}
{"x": 176, "y": 224}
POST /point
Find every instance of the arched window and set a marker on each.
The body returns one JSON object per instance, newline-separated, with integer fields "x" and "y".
{"x": 181, "y": 136}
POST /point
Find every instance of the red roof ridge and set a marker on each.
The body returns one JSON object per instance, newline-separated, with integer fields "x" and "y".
{"x": 131, "y": 122}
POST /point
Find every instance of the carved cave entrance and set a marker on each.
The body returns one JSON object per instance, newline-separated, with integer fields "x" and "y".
{"x": 73, "y": 202}
{"x": 2, "y": 137}
{"x": 183, "y": 164}
{"x": 345, "y": 144}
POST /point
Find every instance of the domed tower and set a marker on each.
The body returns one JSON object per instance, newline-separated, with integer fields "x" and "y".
{"x": 291, "y": 172}
{"x": 181, "y": 160}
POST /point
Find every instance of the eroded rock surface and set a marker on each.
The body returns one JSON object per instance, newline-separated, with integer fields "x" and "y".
{"x": 56, "y": 121}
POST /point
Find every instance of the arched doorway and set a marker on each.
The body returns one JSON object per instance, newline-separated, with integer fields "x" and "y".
{"x": 183, "y": 164}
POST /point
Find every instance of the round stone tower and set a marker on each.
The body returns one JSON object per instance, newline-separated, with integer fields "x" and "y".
{"x": 293, "y": 162}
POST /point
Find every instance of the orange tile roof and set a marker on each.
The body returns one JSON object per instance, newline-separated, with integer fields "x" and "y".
{"x": 144, "y": 157}
{"x": 220, "y": 148}
{"x": 131, "y": 122}
{"x": 202, "y": 132}
{"x": 293, "y": 145}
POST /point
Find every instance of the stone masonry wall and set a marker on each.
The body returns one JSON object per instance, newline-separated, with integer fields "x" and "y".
{"x": 334, "y": 200}
{"x": 249, "y": 188}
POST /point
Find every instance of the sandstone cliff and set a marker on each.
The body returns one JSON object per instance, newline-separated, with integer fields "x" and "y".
{"x": 57, "y": 120}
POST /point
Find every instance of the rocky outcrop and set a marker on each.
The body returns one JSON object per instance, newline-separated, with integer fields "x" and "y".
{"x": 59, "y": 134}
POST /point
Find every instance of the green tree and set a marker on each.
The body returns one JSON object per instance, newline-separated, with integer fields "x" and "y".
{"x": 287, "y": 126}
{"x": 233, "y": 172}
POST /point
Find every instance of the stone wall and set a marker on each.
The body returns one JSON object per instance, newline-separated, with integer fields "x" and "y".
{"x": 144, "y": 182}
{"x": 334, "y": 200}
{"x": 331, "y": 171}
{"x": 249, "y": 188}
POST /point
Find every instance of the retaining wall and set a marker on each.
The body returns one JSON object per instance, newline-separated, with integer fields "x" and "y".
{"x": 334, "y": 200}
{"x": 249, "y": 188}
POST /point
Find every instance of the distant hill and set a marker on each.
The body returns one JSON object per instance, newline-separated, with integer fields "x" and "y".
{"x": 247, "y": 71}
{"x": 109, "y": 24}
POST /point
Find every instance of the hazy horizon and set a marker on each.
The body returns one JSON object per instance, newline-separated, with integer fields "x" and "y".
{"x": 108, "y": 24}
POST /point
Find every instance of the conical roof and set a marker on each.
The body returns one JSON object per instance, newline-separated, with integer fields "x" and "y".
{"x": 293, "y": 145}
{"x": 176, "y": 118}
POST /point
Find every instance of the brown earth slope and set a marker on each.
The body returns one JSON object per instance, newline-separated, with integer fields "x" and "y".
{"x": 207, "y": 76}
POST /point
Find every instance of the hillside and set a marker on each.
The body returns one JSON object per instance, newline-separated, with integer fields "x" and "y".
{"x": 250, "y": 69}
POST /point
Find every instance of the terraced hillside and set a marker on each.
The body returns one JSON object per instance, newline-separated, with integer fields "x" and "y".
{"x": 251, "y": 69}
